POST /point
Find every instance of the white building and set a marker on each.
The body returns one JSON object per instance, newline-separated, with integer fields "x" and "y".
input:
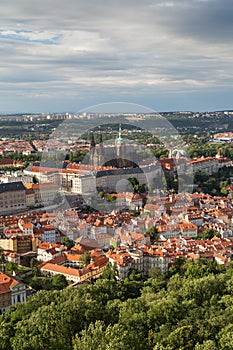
{"x": 83, "y": 184}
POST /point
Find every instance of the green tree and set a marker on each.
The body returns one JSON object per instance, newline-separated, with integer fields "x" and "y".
{"x": 135, "y": 183}
{"x": 152, "y": 232}
{"x": 41, "y": 283}
{"x": 101, "y": 194}
{"x": 11, "y": 267}
{"x": 181, "y": 338}
{"x": 100, "y": 337}
{"x": 67, "y": 242}
{"x": 223, "y": 187}
{"x": 33, "y": 264}
{"x": 225, "y": 338}
{"x": 85, "y": 259}
{"x": 154, "y": 272}
{"x": 207, "y": 345}
{"x": 209, "y": 233}
{"x": 110, "y": 198}
{"x": 59, "y": 282}
{"x": 110, "y": 272}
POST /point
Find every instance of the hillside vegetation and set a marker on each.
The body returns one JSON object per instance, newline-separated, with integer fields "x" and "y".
{"x": 190, "y": 309}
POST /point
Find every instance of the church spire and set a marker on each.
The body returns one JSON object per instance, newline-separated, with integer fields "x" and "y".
{"x": 101, "y": 138}
{"x": 119, "y": 138}
{"x": 92, "y": 141}
{"x": 119, "y": 133}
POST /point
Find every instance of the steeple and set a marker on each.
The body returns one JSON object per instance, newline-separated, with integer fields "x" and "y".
{"x": 92, "y": 141}
{"x": 119, "y": 139}
{"x": 101, "y": 138}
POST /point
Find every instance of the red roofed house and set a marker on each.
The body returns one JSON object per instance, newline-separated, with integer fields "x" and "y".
{"x": 11, "y": 292}
{"x": 93, "y": 270}
{"x": 47, "y": 251}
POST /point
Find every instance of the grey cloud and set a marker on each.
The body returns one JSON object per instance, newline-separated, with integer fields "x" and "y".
{"x": 124, "y": 47}
{"x": 209, "y": 21}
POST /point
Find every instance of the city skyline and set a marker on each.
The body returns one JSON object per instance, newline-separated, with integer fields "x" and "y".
{"x": 165, "y": 55}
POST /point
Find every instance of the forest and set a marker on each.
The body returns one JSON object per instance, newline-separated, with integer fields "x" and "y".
{"x": 191, "y": 308}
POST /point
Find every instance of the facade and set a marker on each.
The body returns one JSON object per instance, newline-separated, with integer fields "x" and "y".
{"x": 93, "y": 270}
{"x": 109, "y": 179}
{"x": 19, "y": 244}
{"x": 173, "y": 230}
{"x": 30, "y": 197}
{"x": 210, "y": 165}
{"x": 47, "y": 251}
{"x": 11, "y": 292}
{"x": 48, "y": 234}
{"x": 141, "y": 259}
{"x": 83, "y": 184}
{"x": 207, "y": 165}
{"x": 45, "y": 192}
{"x": 106, "y": 166}
{"x": 26, "y": 227}
{"x": 12, "y": 197}
{"x": 103, "y": 240}
{"x": 85, "y": 179}
{"x": 119, "y": 154}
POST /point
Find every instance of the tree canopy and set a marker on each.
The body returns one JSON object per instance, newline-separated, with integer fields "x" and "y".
{"x": 189, "y": 309}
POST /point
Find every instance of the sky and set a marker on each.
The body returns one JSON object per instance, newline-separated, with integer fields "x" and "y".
{"x": 64, "y": 56}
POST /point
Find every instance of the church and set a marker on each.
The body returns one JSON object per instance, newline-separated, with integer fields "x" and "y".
{"x": 118, "y": 154}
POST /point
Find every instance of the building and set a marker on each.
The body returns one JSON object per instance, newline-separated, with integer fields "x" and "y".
{"x": 210, "y": 165}
{"x": 11, "y": 292}
{"x": 26, "y": 227}
{"x": 44, "y": 193}
{"x": 141, "y": 259}
{"x": 48, "y": 233}
{"x": 224, "y": 137}
{"x": 119, "y": 154}
{"x": 8, "y": 162}
{"x": 83, "y": 184}
{"x": 19, "y": 244}
{"x": 12, "y": 197}
{"x": 207, "y": 165}
{"x": 92, "y": 271}
{"x": 30, "y": 197}
{"x": 47, "y": 251}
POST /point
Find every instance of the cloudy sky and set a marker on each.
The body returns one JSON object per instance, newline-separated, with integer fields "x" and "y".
{"x": 68, "y": 55}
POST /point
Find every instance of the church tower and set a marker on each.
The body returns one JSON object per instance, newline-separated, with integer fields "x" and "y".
{"x": 120, "y": 149}
{"x": 92, "y": 150}
{"x": 92, "y": 141}
{"x": 101, "y": 151}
